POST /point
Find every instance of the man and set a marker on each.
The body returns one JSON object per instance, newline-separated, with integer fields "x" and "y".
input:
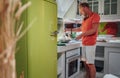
{"x": 89, "y": 34}
{"x": 111, "y": 28}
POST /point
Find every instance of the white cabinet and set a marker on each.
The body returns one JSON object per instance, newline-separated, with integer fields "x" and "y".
{"x": 94, "y": 5}
{"x": 107, "y": 58}
{"x": 68, "y": 60}
{"x": 107, "y": 9}
{"x": 61, "y": 65}
{"x": 112, "y": 63}
{"x": 99, "y": 60}
{"x": 69, "y": 63}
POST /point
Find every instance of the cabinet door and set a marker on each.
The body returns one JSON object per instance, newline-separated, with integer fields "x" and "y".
{"x": 107, "y": 9}
{"x": 114, "y": 7}
{"x": 94, "y": 5}
{"x": 110, "y": 9}
{"x": 112, "y": 64}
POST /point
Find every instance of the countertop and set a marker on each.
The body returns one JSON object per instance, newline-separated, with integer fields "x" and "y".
{"x": 69, "y": 46}
{"x": 78, "y": 44}
{"x": 108, "y": 44}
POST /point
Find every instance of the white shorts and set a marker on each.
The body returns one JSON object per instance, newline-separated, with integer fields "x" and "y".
{"x": 88, "y": 54}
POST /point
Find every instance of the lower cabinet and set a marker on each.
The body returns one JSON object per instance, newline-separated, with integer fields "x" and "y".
{"x": 112, "y": 61}
{"x": 69, "y": 63}
{"x": 107, "y": 60}
{"x": 99, "y": 61}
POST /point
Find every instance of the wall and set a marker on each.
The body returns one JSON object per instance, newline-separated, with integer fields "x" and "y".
{"x": 22, "y": 51}
{"x": 63, "y": 6}
{"x": 60, "y": 29}
{"x": 71, "y": 13}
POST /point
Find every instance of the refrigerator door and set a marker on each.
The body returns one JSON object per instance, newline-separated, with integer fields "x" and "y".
{"x": 49, "y": 40}
{"x": 50, "y": 26}
{"x": 42, "y": 42}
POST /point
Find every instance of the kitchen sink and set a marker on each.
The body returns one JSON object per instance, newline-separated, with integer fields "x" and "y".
{"x": 61, "y": 44}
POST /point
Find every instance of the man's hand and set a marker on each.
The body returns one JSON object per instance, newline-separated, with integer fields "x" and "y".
{"x": 79, "y": 37}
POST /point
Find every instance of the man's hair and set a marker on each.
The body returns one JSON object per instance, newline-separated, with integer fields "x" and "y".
{"x": 84, "y": 4}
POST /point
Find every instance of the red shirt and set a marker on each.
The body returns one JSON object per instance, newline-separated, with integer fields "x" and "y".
{"x": 86, "y": 26}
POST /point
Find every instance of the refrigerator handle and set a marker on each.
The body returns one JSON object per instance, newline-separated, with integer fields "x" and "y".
{"x": 54, "y": 33}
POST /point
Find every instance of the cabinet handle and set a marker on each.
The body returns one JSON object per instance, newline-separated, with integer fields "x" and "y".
{"x": 101, "y": 13}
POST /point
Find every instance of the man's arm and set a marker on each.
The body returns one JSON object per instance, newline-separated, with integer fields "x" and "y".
{"x": 74, "y": 29}
{"x": 77, "y": 29}
{"x": 90, "y": 32}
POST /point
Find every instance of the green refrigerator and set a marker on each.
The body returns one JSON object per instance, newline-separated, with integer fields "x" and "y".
{"x": 38, "y": 55}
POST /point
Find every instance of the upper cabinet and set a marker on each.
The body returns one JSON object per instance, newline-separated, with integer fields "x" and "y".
{"x": 107, "y": 9}
{"x": 94, "y": 5}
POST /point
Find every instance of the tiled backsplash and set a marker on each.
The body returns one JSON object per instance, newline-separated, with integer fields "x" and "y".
{"x": 114, "y": 26}
{"x": 102, "y": 26}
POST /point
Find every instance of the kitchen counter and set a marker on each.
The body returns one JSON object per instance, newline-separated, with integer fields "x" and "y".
{"x": 63, "y": 53}
{"x": 110, "y": 52}
{"x": 69, "y": 46}
{"x": 109, "y": 47}
{"x": 108, "y": 44}
{"x": 78, "y": 44}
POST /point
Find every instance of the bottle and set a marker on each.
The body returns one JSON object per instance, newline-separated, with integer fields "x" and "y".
{"x": 73, "y": 35}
